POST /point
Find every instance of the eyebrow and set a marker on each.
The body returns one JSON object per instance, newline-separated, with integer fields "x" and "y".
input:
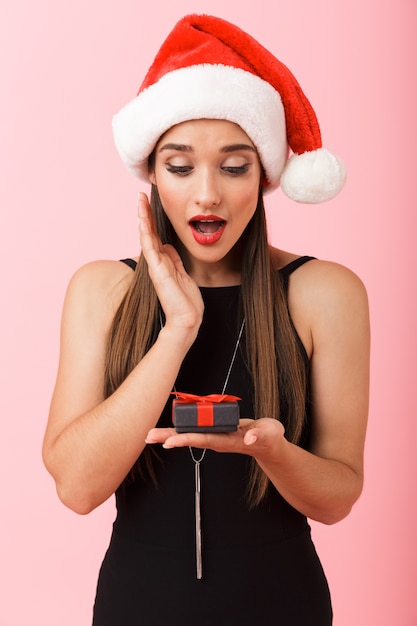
{"x": 180, "y": 147}
{"x": 238, "y": 146}
{"x": 176, "y": 146}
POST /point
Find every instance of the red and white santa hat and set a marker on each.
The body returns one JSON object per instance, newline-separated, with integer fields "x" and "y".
{"x": 209, "y": 68}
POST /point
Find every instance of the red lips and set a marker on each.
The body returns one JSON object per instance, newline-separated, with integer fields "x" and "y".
{"x": 207, "y": 229}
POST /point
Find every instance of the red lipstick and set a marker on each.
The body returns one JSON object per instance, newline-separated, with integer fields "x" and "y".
{"x": 207, "y": 229}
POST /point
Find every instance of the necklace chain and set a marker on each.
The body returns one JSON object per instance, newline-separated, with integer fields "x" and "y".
{"x": 197, "y": 462}
{"x": 233, "y": 356}
{"x": 197, "y": 475}
{"x": 232, "y": 362}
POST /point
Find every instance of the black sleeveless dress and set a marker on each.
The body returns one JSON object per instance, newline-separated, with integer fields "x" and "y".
{"x": 260, "y": 567}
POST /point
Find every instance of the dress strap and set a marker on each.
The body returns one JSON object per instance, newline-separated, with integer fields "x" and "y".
{"x": 286, "y": 271}
{"x": 130, "y": 262}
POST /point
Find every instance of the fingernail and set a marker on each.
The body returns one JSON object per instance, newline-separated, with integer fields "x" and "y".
{"x": 251, "y": 440}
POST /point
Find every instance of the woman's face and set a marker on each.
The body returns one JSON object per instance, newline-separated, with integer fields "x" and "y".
{"x": 208, "y": 176}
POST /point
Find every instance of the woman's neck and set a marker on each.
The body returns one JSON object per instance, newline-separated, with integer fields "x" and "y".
{"x": 209, "y": 275}
{"x": 223, "y": 273}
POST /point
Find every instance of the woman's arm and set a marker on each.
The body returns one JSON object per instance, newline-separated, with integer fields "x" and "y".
{"x": 338, "y": 318}
{"x": 91, "y": 443}
{"x": 329, "y": 308}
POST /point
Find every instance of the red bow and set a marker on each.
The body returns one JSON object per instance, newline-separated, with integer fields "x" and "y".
{"x": 213, "y": 397}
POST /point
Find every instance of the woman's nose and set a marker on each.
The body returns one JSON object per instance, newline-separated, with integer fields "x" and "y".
{"x": 207, "y": 193}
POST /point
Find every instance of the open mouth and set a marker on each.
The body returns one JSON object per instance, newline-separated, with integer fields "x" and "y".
{"x": 207, "y": 229}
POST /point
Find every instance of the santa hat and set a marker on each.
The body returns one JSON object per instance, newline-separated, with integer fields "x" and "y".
{"x": 209, "y": 68}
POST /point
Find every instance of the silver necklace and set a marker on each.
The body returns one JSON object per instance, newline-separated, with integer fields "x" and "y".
{"x": 197, "y": 472}
{"x": 197, "y": 463}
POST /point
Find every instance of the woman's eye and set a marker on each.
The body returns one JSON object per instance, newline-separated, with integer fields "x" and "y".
{"x": 236, "y": 170}
{"x": 181, "y": 170}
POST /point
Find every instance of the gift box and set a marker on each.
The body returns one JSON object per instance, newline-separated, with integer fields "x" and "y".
{"x": 215, "y": 413}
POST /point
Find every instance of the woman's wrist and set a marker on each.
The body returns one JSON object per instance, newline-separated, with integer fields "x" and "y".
{"x": 178, "y": 337}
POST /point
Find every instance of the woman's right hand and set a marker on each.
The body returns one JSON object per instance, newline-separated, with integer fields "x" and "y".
{"x": 178, "y": 293}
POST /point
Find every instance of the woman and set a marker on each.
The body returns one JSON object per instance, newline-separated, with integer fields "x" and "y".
{"x": 212, "y": 527}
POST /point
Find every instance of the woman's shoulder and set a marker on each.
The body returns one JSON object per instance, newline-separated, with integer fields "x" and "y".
{"x": 98, "y": 287}
{"x": 323, "y": 280}
{"x": 103, "y": 275}
{"x": 323, "y": 294}
{"x": 316, "y": 274}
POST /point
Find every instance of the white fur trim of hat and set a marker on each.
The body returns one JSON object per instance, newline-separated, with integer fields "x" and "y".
{"x": 208, "y": 68}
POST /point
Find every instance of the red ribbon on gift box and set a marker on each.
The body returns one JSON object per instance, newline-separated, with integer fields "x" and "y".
{"x": 204, "y": 404}
{"x": 213, "y": 397}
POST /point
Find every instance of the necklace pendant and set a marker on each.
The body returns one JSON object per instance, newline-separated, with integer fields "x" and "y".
{"x": 199, "y": 563}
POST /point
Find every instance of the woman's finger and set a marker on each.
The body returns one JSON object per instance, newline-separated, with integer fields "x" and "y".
{"x": 149, "y": 240}
{"x": 159, "y": 435}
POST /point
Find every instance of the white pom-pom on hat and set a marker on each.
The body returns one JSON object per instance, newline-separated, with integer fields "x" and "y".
{"x": 209, "y": 68}
{"x": 313, "y": 177}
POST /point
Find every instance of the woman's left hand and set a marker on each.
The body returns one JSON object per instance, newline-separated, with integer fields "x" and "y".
{"x": 260, "y": 438}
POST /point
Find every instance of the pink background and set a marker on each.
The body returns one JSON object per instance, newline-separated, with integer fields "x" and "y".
{"x": 66, "y": 199}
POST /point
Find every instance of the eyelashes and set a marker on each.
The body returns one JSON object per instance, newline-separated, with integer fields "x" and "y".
{"x": 236, "y": 171}
{"x": 180, "y": 170}
{"x": 184, "y": 170}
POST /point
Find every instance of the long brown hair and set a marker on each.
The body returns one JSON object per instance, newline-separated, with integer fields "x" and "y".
{"x": 273, "y": 356}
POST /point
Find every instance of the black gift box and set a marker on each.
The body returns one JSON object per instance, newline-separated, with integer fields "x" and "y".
{"x": 205, "y": 416}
